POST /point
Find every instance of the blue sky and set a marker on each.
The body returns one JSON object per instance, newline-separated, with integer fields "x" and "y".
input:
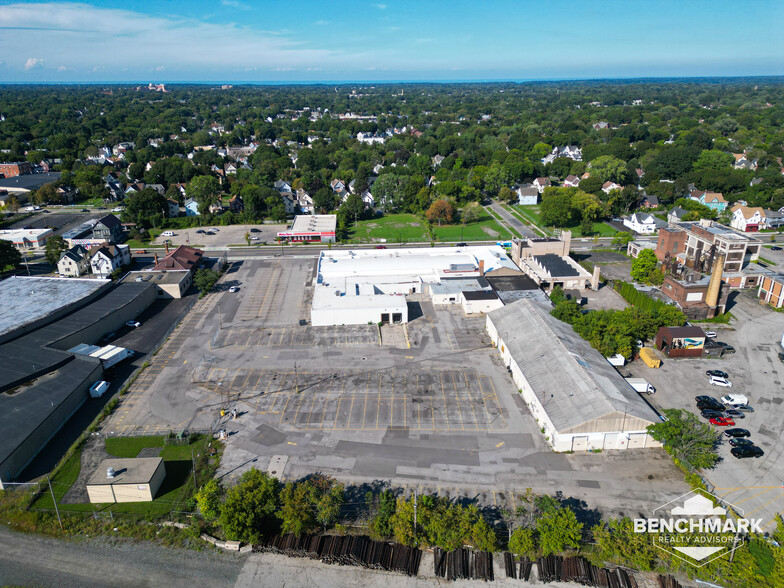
{"x": 332, "y": 40}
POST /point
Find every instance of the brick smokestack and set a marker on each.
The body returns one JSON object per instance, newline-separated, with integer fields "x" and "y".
{"x": 481, "y": 267}
{"x": 166, "y": 243}
{"x": 155, "y": 256}
{"x": 712, "y": 298}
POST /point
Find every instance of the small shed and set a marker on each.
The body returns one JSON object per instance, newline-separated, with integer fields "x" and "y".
{"x": 135, "y": 479}
{"x": 475, "y": 302}
{"x": 681, "y": 341}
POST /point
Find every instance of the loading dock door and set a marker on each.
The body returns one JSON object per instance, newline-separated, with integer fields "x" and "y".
{"x": 636, "y": 440}
{"x": 579, "y": 443}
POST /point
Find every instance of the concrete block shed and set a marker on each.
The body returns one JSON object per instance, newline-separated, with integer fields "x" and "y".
{"x": 136, "y": 479}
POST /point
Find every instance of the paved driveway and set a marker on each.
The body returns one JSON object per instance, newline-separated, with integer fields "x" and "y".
{"x": 511, "y": 221}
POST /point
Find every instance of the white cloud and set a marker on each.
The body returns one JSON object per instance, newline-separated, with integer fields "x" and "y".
{"x": 284, "y": 69}
{"x": 322, "y": 23}
{"x": 160, "y": 68}
{"x": 33, "y": 62}
{"x": 62, "y": 68}
{"x": 381, "y": 6}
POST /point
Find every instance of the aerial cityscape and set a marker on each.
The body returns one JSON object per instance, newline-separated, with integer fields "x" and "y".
{"x": 408, "y": 309}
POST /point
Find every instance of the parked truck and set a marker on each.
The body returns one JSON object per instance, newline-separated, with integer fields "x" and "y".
{"x": 641, "y": 385}
{"x": 649, "y": 357}
{"x": 109, "y": 355}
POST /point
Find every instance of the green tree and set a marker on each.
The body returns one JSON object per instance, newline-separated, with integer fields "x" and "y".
{"x": 402, "y": 522}
{"x": 617, "y": 542}
{"x": 713, "y": 159}
{"x": 471, "y": 213}
{"x": 591, "y": 184}
{"x": 522, "y": 543}
{"x": 684, "y": 435}
{"x": 559, "y": 530}
{"x": 610, "y": 169}
{"x": 249, "y": 507}
{"x": 324, "y": 200}
{"x": 644, "y": 265}
{"x": 327, "y": 497}
{"x": 143, "y": 206}
{"x": 204, "y": 279}
{"x": 10, "y": 257}
{"x": 296, "y": 510}
{"x": 556, "y": 208}
{"x": 621, "y": 239}
{"x": 204, "y": 190}
{"x": 55, "y": 247}
{"x": 505, "y": 194}
{"x": 209, "y": 499}
{"x": 381, "y": 523}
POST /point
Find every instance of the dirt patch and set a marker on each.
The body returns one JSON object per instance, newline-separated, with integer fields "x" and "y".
{"x": 93, "y": 453}
{"x": 491, "y": 232}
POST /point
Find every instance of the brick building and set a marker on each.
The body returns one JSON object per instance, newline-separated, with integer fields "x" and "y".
{"x": 681, "y": 341}
{"x": 19, "y": 168}
{"x": 771, "y": 289}
{"x": 672, "y": 240}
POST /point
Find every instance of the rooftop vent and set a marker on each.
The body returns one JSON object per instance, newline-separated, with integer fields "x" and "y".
{"x": 110, "y": 473}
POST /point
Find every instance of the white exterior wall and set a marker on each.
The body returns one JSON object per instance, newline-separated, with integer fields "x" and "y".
{"x": 355, "y": 315}
{"x": 568, "y": 441}
{"x": 450, "y": 298}
{"x": 478, "y": 306}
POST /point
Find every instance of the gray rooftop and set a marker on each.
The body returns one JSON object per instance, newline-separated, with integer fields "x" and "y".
{"x": 28, "y": 299}
{"x": 556, "y": 266}
{"x": 28, "y": 182}
{"x": 455, "y": 285}
{"x": 129, "y": 470}
{"x": 556, "y": 360}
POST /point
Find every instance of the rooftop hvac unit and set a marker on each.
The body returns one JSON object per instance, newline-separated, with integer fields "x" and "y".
{"x": 110, "y": 472}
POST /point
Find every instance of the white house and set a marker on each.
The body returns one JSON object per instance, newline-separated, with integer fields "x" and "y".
{"x": 541, "y": 183}
{"x": 608, "y": 187}
{"x": 571, "y": 181}
{"x": 527, "y": 195}
{"x": 104, "y": 259}
{"x": 74, "y": 263}
{"x": 641, "y": 222}
{"x": 748, "y": 219}
{"x": 368, "y": 199}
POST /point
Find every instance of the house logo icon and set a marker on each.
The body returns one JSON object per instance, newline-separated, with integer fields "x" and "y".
{"x": 697, "y": 527}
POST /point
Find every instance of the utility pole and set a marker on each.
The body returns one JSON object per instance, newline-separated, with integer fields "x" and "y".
{"x": 54, "y": 501}
{"x": 220, "y": 317}
{"x": 193, "y": 469}
{"x": 296, "y": 378}
{"x": 416, "y": 542}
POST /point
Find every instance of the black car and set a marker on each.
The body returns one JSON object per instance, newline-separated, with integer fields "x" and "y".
{"x": 717, "y": 373}
{"x": 255, "y": 231}
{"x": 737, "y": 432}
{"x": 747, "y": 451}
{"x": 781, "y": 357}
{"x": 705, "y": 399}
{"x": 460, "y": 245}
{"x": 775, "y": 248}
{"x": 738, "y": 442}
{"x": 711, "y": 406}
{"x": 200, "y": 231}
{"x": 726, "y": 347}
{"x": 709, "y": 413}
{"x": 734, "y": 413}
{"x": 84, "y": 210}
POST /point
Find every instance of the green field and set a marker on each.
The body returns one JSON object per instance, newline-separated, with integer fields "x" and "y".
{"x": 532, "y": 213}
{"x": 136, "y": 244}
{"x": 407, "y": 228}
{"x": 174, "y": 494}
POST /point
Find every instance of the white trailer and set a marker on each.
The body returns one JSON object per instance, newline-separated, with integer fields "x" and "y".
{"x": 109, "y": 355}
{"x": 641, "y": 385}
{"x": 617, "y": 360}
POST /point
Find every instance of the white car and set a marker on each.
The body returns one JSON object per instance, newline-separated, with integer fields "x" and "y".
{"x": 718, "y": 381}
{"x": 254, "y": 238}
{"x": 134, "y": 324}
{"x": 118, "y": 209}
{"x": 234, "y": 289}
{"x": 710, "y": 334}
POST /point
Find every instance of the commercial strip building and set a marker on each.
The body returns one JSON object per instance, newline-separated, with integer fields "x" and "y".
{"x": 578, "y": 398}
{"x": 370, "y": 285}
{"x": 311, "y": 228}
{"x": 42, "y": 383}
{"x": 26, "y": 238}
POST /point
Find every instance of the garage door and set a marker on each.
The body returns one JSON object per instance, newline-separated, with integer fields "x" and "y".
{"x": 579, "y": 443}
{"x": 637, "y": 440}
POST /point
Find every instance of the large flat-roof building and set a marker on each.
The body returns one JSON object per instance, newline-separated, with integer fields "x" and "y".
{"x": 26, "y": 238}
{"x": 21, "y": 185}
{"x": 311, "y": 228}
{"x": 580, "y": 400}
{"x": 370, "y": 285}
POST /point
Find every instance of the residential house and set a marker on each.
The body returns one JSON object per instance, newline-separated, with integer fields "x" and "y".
{"x": 634, "y": 248}
{"x": 66, "y": 193}
{"x": 282, "y": 186}
{"x": 305, "y": 202}
{"x": 676, "y": 215}
{"x": 377, "y": 168}
{"x": 437, "y": 159}
{"x": 370, "y": 138}
{"x": 236, "y": 204}
{"x": 649, "y": 200}
{"x": 174, "y": 208}
{"x": 191, "y": 207}
{"x": 229, "y": 169}
{"x": 134, "y": 188}
{"x": 104, "y": 259}
{"x": 74, "y": 263}
{"x": 642, "y": 223}
{"x": 601, "y": 125}
{"x": 743, "y": 162}
{"x": 368, "y": 199}
{"x": 571, "y": 181}
{"x": 541, "y": 183}
{"x": 158, "y": 188}
{"x": 748, "y": 219}
{"x": 217, "y": 207}
{"x": 289, "y": 202}
{"x": 337, "y": 186}
{"x": 608, "y": 187}
{"x": 775, "y": 218}
{"x": 182, "y": 258}
{"x": 527, "y": 195}
{"x": 570, "y": 151}
{"x": 108, "y": 228}
{"x": 713, "y": 200}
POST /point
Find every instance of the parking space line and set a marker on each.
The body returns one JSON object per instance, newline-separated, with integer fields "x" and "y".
{"x": 457, "y": 398}
{"x": 734, "y": 502}
{"x": 497, "y": 402}
{"x": 748, "y": 514}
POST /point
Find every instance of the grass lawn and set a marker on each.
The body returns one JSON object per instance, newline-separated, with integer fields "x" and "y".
{"x": 763, "y": 260}
{"x": 403, "y": 228}
{"x": 174, "y": 494}
{"x": 532, "y": 213}
{"x": 136, "y": 244}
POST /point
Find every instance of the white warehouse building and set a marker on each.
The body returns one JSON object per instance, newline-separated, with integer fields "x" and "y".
{"x": 579, "y": 399}
{"x": 370, "y": 285}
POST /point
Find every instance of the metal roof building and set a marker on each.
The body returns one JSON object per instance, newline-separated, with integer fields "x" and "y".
{"x": 579, "y": 398}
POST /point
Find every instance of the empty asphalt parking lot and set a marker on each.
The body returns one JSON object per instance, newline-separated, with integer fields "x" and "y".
{"x": 439, "y": 416}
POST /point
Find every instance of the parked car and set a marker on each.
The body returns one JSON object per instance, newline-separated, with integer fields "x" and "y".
{"x": 733, "y": 400}
{"x": 717, "y": 373}
{"x": 118, "y": 209}
{"x": 726, "y": 347}
{"x": 710, "y": 334}
{"x": 743, "y": 408}
{"x": 254, "y": 238}
{"x": 748, "y": 451}
{"x": 84, "y": 210}
{"x": 781, "y": 357}
{"x": 741, "y": 442}
{"x": 717, "y": 406}
{"x": 722, "y": 422}
{"x": 381, "y": 246}
{"x": 734, "y": 413}
{"x": 134, "y": 324}
{"x": 168, "y": 234}
{"x": 718, "y": 381}
{"x": 775, "y": 248}
{"x": 737, "y": 432}
{"x": 234, "y": 289}
{"x": 97, "y": 389}
{"x": 710, "y": 413}
{"x": 461, "y": 245}
{"x": 705, "y": 399}
{"x": 200, "y": 231}
{"x": 255, "y": 231}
